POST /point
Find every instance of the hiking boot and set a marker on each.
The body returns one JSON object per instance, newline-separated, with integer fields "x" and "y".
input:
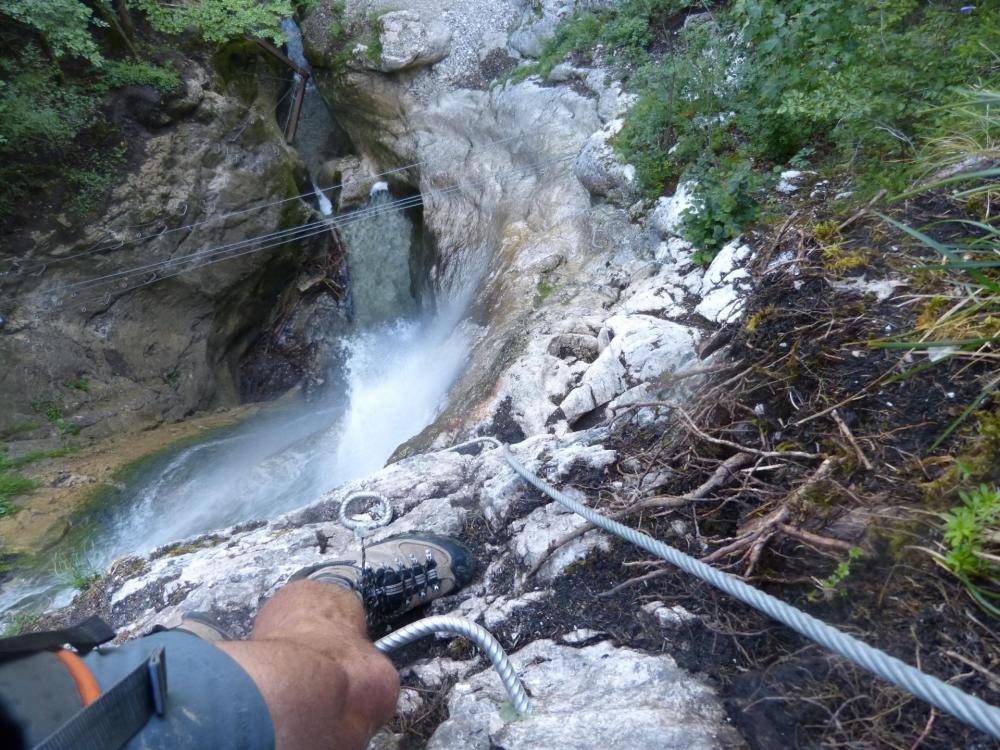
{"x": 202, "y": 624}
{"x": 400, "y": 573}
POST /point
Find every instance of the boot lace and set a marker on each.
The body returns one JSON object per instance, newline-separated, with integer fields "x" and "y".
{"x": 388, "y": 591}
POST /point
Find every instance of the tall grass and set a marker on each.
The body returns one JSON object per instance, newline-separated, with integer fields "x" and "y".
{"x": 961, "y": 317}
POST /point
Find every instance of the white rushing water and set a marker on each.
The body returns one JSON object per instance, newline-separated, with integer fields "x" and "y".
{"x": 397, "y": 367}
{"x": 397, "y": 375}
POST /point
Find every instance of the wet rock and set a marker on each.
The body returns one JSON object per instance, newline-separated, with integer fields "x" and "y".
{"x": 169, "y": 346}
{"x": 191, "y": 95}
{"x": 593, "y": 697}
{"x": 355, "y": 178}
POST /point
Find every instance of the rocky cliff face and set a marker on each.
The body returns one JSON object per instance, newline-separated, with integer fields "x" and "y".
{"x": 151, "y": 347}
{"x": 537, "y": 224}
{"x": 586, "y": 301}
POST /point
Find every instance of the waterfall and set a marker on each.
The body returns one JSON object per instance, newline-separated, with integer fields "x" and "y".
{"x": 379, "y": 261}
{"x": 398, "y": 365}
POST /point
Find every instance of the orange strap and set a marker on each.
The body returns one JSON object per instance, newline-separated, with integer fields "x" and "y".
{"x": 90, "y": 691}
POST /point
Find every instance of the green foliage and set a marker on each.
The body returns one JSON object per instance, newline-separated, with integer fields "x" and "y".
{"x": 77, "y": 571}
{"x": 722, "y": 203}
{"x": 374, "y": 42}
{"x": 766, "y": 82}
{"x": 19, "y": 623}
{"x": 971, "y": 541}
{"x": 966, "y": 530}
{"x": 11, "y": 486}
{"x": 39, "y": 112}
{"x": 52, "y": 410}
{"x": 7, "y": 463}
{"x": 92, "y": 184}
{"x": 140, "y": 73}
{"x": 219, "y": 21}
{"x": 625, "y": 31}
{"x": 65, "y": 25}
{"x": 856, "y": 74}
{"x": 833, "y": 583}
{"x": 80, "y": 384}
{"x": 545, "y": 290}
{"x": 338, "y": 25}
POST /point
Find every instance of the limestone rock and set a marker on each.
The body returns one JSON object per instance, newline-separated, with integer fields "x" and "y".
{"x": 542, "y": 527}
{"x": 169, "y": 346}
{"x": 725, "y": 284}
{"x": 668, "y": 215}
{"x": 581, "y": 346}
{"x": 407, "y": 42}
{"x": 601, "y": 171}
{"x": 589, "y": 698}
{"x": 640, "y": 349}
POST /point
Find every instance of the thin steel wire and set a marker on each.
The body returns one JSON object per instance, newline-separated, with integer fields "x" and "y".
{"x": 218, "y": 217}
{"x": 967, "y": 708}
{"x": 292, "y": 234}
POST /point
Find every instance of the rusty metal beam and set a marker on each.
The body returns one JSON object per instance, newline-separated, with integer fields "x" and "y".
{"x": 293, "y": 121}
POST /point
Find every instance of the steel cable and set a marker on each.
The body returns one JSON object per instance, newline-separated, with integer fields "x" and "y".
{"x": 292, "y": 234}
{"x": 475, "y": 633}
{"x": 967, "y": 708}
{"x": 217, "y": 217}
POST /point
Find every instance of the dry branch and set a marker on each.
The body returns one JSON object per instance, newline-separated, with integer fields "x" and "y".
{"x": 720, "y": 477}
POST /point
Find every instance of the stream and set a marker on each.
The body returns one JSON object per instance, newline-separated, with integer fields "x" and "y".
{"x": 397, "y": 365}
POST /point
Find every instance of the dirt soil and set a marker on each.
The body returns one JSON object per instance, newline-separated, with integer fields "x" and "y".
{"x": 800, "y": 376}
{"x": 67, "y": 482}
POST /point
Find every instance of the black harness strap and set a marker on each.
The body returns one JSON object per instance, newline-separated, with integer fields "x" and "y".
{"x": 83, "y": 637}
{"x": 121, "y": 711}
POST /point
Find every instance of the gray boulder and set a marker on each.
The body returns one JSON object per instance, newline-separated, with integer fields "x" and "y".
{"x": 407, "y": 42}
{"x": 589, "y": 698}
{"x": 599, "y": 169}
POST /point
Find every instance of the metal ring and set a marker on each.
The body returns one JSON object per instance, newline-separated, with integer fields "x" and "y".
{"x": 380, "y": 512}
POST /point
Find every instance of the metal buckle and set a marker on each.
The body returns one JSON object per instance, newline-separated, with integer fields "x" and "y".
{"x": 157, "y": 666}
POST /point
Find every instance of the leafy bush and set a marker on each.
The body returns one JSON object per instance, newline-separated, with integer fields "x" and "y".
{"x": 92, "y": 184}
{"x": 66, "y": 25}
{"x": 773, "y": 80}
{"x": 219, "y": 21}
{"x": 38, "y": 111}
{"x": 970, "y": 541}
{"x": 140, "y": 73}
{"x": 723, "y": 201}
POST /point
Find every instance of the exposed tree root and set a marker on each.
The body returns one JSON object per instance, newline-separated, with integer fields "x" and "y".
{"x": 722, "y": 476}
{"x": 754, "y": 536}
